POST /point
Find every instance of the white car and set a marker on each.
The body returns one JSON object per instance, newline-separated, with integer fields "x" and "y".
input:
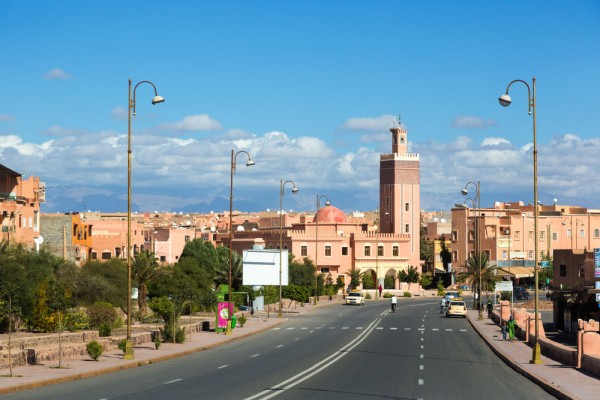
{"x": 456, "y": 307}
{"x": 355, "y": 298}
{"x": 446, "y": 299}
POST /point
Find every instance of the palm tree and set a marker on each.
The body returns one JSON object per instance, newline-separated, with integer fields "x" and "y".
{"x": 355, "y": 276}
{"x": 471, "y": 275}
{"x": 145, "y": 268}
{"x": 222, "y": 270}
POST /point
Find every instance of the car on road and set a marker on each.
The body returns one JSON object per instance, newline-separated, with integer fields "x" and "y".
{"x": 355, "y": 298}
{"x": 446, "y": 299}
{"x": 520, "y": 293}
{"x": 456, "y": 307}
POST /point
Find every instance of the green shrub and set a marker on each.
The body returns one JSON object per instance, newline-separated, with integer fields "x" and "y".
{"x": 242, "y": 320}
{"x": 407, "y": 294}
{"x": 368, "y": 296}
{"x": 105, "y": 330}
{"x": 122, "y": 345}
{"x": 387, "y": 295}
{"x": 94, "y": 349}
{"x": 440, "y": 288}
{"x": 76, "y": 320}
{"x": 101, "y": 313}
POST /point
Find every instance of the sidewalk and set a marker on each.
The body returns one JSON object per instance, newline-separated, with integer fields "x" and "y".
{"x": 33, "y": 376}
{"x": 562, "y": 381}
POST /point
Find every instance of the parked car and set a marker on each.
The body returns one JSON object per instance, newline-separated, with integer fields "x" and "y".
{"x": 355, "y": 298}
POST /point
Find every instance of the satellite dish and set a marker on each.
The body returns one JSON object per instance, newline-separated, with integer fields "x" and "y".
{"x": 240, "y": 228}
{"x": 212, "y": 229}
{"x": 38, "y": 240}
{"x": 254, "y": 229}
{"x": 555, "y": 200}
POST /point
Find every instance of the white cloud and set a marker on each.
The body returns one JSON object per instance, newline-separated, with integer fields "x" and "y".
{"x": 195, "y": 123}
{"x": 492, "y": 141}
{"x": 473, "y": 122}
{"x": 381, "y": 123}
{"x": 119, "y": 113}
{"x": 57, "y": 74}
{"x": 6, "y": 118}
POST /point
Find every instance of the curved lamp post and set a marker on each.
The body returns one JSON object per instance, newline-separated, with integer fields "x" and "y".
{"x": 281, "y": 191}
{"x": 477, "y": 204}
{"x": 505, "y": 101}
{"x": 131, "y": 112}
{"x": 249, "y": 163}
{"x": 327, "y": 203}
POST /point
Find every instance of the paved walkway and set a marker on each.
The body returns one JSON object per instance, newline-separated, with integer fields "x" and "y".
{"x": 562, "y": 381}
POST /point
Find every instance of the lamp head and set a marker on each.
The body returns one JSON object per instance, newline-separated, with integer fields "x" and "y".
{"x": 327, "y": 203}
{"x": 464, "y": 192}
{"x": 505, "y": 100}
{"x": 250, "y": 163}
{"x": 158, "y": 99}
{"x": 294, "y": 190}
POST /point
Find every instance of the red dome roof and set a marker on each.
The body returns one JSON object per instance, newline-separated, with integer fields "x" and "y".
{"x": 329, "y": 215}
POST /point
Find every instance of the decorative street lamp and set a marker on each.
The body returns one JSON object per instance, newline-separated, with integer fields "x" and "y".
{"x": 505, "y": 101}
{"x": 249, "y": 163}
{"x": 477, "y": 239}
{"x": 327, "y": 203}
{"x": 131, "y": 112}
{"x": 294, "y": 190}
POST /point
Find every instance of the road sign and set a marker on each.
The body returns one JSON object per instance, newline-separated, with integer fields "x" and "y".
{"x": 503, "y": 286}
{"x": 545, "y": 263}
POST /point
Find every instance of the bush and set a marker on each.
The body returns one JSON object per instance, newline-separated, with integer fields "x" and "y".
{"x": 387, "y": 295}
{"x": 104, "y": 330}
{"x": 242, "y": 320}
{"x": 407, "y": 294}
{"x": 368, "y": 296}
{"x": 76, "y": 320}
{"x": 101, "y": 313}
{"x": 94, "y": 349}
{"x": 123, "y": 345}
{"x": 440, "y": 288}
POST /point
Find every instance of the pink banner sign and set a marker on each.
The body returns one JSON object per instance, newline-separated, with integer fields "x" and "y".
{"x": 222, "y": 314}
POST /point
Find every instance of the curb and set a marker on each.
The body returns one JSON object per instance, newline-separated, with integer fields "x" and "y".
{"x": 547, "y": 386}
{"x": 108, "y": 370}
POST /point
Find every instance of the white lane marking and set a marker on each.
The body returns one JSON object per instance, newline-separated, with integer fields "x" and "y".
{"x": 315, "y": 369}
{"x": 173, "y": 381}
{"x": 297, "y": 338}
{"x": 448, "y": 329}
{"x": 463, "y": 330}
{"x": 359, "y": 327}
{"x": 421, "y": 355}
{"x": 275, "y": 329}
{"x": 256, "y": 355}
{"x": 379, "y": 327}
{"x": 420, "y": 329}
{"x": 435, "y": 329}
{"x": 303, "y": 328}
{"x": 290, "y": 329}
{"x": 394, "y": 328}
{"x": 407, "y": 329}
{"x": 422, "y": 346}
{"x": 346, "y": 327}
{"x": 422, "y": 339}
{"x": 421, "y": 382}
{"x": 311, "y": 331}
{"x": 332, "y": 327}
{"x": 223, "y": 366}
{"x": 279, "y": 346}
{"x": 421, "y": 367}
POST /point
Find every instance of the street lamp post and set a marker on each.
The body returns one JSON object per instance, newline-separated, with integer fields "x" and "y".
{"x": 294, "y": 190}
{"x": 233, "y": 165}
{"x": 327, "y": 203}
{"x": 131, "y": 112}
{"x": 477, "y": 239}
{"x": 505, "y": 101}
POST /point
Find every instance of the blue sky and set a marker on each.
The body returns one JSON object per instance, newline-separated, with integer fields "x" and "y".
{"x": 309, "y": 88}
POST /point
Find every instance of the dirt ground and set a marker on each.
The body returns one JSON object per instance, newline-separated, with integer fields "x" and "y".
{"x": 530, "y": 305}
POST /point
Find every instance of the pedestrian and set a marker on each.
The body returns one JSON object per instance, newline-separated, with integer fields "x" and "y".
{"x": 511, "y": 328}
{"x": 490, "y": 307}
{"x": 380, "y": 290}
{"x": 503, "y": 330}
{"x": 393, "y": 302}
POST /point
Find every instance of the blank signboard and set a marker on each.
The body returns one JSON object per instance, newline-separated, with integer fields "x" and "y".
{"x": 261, "y": 267}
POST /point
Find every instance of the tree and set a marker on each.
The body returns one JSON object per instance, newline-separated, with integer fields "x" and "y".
{"x": 144, "y": 269}
{"x": 471, "y": 275}
{"x": 9, "y": 307}
{"x": 355, "y": 276}
{"x": 445, "y": 254}
{"x": 204, "y": 254}
{"x": 222, "y": 269}
{"x": 59, "y": 298}
{"x": 410, "y": 276}
{"x": 426, "y": 247}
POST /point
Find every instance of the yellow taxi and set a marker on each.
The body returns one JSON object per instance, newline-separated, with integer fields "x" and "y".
{"x": 456, "y": 307}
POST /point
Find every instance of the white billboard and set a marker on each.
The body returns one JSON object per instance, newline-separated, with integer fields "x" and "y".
{"x": 261, "y": 267}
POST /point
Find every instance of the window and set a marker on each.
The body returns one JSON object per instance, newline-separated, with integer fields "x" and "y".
{"x": 504, "y": 255}
{"x": 568, "y": 232}
{"x": 517, "y": 235}
{"x": 407, "y": 228}
{"x": 367, "y": 251}
{"x": 471, "y": 235}
{"x": 117, "y": 254}
{"x": 303, "y": 251}
{"x": 395, "y": 251}
{"x": 380, "y": 250}
{"x": 324, "y": 270}
{"x": 406, "y": 206}
{"x": 106, "y": 256}
{"x": 454, "y": 256}
{"x": 94, "y": 255}
{"x": 344, "y": 250}
{"x": 187, "y": 239}
{"x": 454, "y": 235}
{"x": 542, "y": 235}
{"x": 563, "y": 270}
{"x": 530, "y": 235}
{"x": 530, "y": 254}
{"x": 328, "y": 251}
{"x": 596, "y": 233}
{"x": 581, "y": 233}
{"x": 162, "y": 259}
{"x": 554, "y": 236}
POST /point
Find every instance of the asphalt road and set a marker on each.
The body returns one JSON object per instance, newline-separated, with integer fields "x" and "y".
{"x": 337, "y": 352}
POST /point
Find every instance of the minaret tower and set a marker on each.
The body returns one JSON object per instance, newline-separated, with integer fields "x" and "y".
{"x": 400, "y": 192}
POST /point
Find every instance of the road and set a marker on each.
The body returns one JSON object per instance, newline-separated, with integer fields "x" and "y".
{"x": 335, "y": 352}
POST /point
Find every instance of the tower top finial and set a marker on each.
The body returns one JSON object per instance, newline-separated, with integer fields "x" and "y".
{"x": 399, "y": 121}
